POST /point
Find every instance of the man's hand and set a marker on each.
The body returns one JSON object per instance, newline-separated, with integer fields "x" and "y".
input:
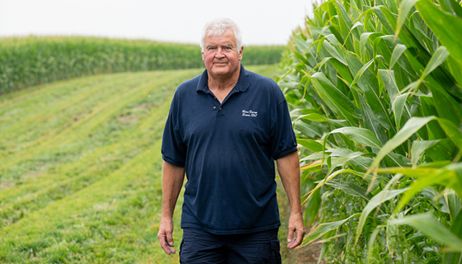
{"x": 289, "y": 171}
{"x": 172, "y": 180}
{"x": 296, "y": 230}
{"x": 165, "y": 235}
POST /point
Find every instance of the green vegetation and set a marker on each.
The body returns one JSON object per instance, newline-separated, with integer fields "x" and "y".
{"x": 38, "y": 60}
{"x": 80, "y": 177}
{"x": 376, "y": 100}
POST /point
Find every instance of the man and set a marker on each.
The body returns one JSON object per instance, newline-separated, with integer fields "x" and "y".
{"x": 224, "y": 130}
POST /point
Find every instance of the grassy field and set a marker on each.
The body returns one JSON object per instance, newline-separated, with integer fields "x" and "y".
{"x": 80, "y": 177}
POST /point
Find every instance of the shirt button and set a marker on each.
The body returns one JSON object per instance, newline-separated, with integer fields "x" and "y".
{"x": 214, "y": 107}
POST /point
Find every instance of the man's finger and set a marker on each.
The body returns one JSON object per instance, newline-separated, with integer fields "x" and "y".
{"x": 296, "y": 239}
{"x": 300, "y": 233}
{"x": 170, "y": 239}
{"x": 290, "y": 236}
{"x": 165, "y": 244}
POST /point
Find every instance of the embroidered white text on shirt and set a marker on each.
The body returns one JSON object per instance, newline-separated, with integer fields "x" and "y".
{"x": 249, "y": 113}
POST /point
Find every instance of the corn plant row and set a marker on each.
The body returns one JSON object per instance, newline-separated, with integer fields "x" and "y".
{"x": 375, "y": 89}
{"x": 35, "y": 60}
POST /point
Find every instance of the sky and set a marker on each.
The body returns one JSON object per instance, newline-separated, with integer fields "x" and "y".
{"x": 260, "y": 21}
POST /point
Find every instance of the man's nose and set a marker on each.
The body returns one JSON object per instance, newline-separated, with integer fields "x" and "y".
{"x": 220, "y": 52}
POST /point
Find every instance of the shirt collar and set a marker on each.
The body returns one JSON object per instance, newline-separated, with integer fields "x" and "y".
{"x": 242, "y": 84}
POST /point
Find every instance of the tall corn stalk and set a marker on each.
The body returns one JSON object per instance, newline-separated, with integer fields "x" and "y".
{"x": 375, "y": 89}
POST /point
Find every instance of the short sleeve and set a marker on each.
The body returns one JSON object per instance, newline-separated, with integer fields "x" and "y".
{"x": 283, "y": 141}
{"x": 173, "y": 148}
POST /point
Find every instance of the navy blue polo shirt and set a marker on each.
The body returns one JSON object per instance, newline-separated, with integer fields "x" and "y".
{"x": 228, "y": 152}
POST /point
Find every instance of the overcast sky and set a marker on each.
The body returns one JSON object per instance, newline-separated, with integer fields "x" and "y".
{"x": 261, "y": 21}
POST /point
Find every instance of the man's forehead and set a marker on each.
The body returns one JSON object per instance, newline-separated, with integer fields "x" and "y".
{"x": 220, "y": 43}
{"x": 226, "y": 37}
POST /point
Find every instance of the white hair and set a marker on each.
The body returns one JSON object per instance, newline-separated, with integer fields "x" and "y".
{"x": 218, "y": 27}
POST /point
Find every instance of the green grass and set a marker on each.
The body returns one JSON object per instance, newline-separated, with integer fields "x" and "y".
{"x": 81, "y": 166}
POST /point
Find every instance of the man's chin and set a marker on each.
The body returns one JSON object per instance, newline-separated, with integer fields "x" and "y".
{"x": 220, "y": 67}
{"x": 220, "y": 71}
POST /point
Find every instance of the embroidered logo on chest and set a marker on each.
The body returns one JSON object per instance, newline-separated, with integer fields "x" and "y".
{"x": 249, "y": 113}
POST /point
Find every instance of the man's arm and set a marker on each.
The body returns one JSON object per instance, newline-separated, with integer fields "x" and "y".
{"x": 172, "y": 181}
{"x": 289, "y": 171}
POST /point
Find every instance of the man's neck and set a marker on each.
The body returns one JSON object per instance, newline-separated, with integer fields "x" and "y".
{"x": 223, "y": 83}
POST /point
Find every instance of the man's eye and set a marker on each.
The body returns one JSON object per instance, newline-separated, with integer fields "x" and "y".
{"x": 211, "y": 48}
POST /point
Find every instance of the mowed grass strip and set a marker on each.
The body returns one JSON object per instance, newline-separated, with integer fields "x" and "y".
{"x": 82, "y": 125}
{"x": 68, "y": 99}
{"x": 87, "y": 190}
{"x": 71, "y": 176}
{"x": 80, "y": 163}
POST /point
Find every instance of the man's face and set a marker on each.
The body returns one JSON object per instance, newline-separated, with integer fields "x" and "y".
{"x": 220, "y": 55}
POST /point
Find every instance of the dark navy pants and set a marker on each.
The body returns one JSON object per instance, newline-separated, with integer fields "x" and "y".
{"x": 199, "y": 246}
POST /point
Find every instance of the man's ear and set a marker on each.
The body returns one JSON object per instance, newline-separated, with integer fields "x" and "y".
{"x": 241, "y": 53}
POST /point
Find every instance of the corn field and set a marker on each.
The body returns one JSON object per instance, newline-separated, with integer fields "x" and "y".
{"x": 375, "y": 90}
{"x": 37, "y": 60}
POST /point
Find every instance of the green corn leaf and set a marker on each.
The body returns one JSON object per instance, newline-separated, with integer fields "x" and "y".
{"x": 370, "y": 243}
{"x": 363, "y": 41}
{"x": 310, "y": 144}
{"x": 399, "y": 103}
{"x": 334, "y": 52}
{"x": 428, "y": 225}
{"x": 387, "y": 19}
{"x": 425, "y": 177}
{"x": 428, "y": 109}
{"x": 321, "y": 183}
{"x": 329, "y": 178}
{"x": 333, "y": 97}
{"x": 387, "y": 78}
{"x": 403, "y": 11}
{"x": 312, "y": 208}
{"x": 360, "y": 135}
{"x": 412, "y": 87}
{"x": 305, "y": 130}
{"x": 361, "y": 71}
{"x": 446, "y": 105}
{"x": 372, "y": 120}
{"x": 452, "y": 6}
{"x": 428, "y": 178}
{"x": 444, "y": 25}
{"x": 340, "y": 156}
{"x": 436, "y": 60}
{"x": 456, "y": 228}
{"x": 322, "y": 229}
{"x": 453, "y": 203}
{"x": 411, "y": 127}
{"x": 313, "y": 157}
{"x": 314, "y": 117}
{"x": 418, "y": 149}
{"x": 452, "y": 131}
{"x": 397, "y": 52}
{"x": 349, "y": 188}
{"x": 454, "y": 68}
{"x": 356, "y": 25}
{"x": 375, "y": 201}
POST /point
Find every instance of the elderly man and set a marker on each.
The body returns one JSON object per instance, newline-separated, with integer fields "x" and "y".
{"x": 224, "y": 130}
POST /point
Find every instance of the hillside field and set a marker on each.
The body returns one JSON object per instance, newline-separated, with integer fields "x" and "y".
{"x": 80, "y": 177}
